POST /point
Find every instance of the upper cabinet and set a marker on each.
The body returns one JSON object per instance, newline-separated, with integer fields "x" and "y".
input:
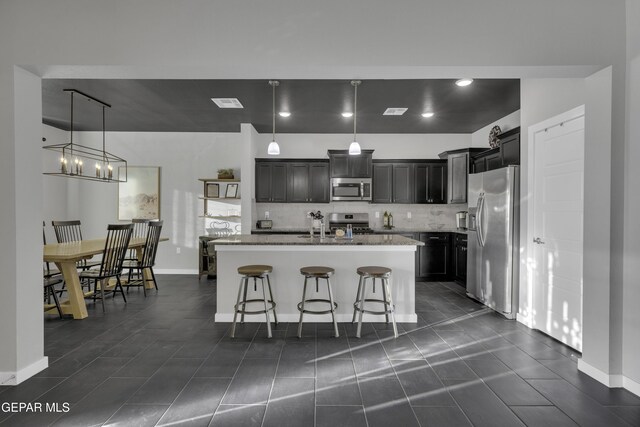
{"x": 459, "y": 164}
{"x": 271, "y": 181}
{"x": 431, "y": 182}
{"x": 293, "y": 181}
{"x": 407, "y": 181}
{"x": 508, "y": 153}
{"x": 308, "y": 182}
{"x": 344, "y": 165}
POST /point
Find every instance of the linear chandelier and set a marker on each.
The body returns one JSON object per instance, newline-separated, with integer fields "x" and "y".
{"x": 83, "y": 162}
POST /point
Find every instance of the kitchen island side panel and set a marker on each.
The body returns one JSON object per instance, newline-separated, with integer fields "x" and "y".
{"x": 287, "y": 282}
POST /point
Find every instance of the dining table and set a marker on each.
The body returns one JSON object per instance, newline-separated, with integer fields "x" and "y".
{"x": 66, "y": 255}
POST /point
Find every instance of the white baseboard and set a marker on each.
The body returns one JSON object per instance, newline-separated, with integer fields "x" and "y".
{"x": 294, "y": 318}
{"x": 525, "y": 320}
{"x": 15, "y": 378}
{"x": 183, "y": 271}
{"x": 610, "y": 380}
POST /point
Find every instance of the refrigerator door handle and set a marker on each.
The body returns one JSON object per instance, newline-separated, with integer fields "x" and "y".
{"x": 480, "y": 216}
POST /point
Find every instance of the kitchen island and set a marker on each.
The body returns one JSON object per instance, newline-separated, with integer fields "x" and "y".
{"x": 288, "y": 253}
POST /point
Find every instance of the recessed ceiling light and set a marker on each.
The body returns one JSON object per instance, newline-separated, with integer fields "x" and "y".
{"x": 394, "y": 111}
{"x": 347, "y": 114}
{"x": 464, "y": 82}
{"x": 227, "y": 102}
{"x": 284, "y": 113}
{"x": 427, "y": 115}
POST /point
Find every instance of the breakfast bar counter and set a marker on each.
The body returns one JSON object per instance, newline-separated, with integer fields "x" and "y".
{"x": 288, "y": 253}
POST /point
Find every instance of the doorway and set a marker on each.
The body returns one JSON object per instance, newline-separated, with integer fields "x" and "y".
{"x": 557, "y": 208}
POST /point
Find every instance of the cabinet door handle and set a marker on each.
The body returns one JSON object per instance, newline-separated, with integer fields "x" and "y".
{"x": 434, "y": 238}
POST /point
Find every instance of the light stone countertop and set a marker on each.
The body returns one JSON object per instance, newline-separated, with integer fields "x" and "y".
{"x": 375, "y": 230}
{"x": 288, "y": 239}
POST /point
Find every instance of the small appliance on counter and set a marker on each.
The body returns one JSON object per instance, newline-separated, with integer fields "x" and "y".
{"x": 461, "y": 220}
{"x": 264, "y": 224}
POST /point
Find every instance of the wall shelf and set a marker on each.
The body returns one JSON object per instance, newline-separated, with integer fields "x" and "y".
{"x": 219, "y": 216}
{"x": 220, "y": 198}
{"x": 217, "y": 180}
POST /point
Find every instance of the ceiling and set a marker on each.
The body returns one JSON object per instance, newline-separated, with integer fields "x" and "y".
{"x": 315, "y": 105}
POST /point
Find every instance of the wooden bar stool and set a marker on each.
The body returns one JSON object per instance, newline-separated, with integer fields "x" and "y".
{"x": 373, "y": 273}
{"x": 256, "y": 272}
{"x": 317, "y": 272}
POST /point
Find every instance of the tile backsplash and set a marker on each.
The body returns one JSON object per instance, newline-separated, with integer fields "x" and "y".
{"x": 423, "y": 217}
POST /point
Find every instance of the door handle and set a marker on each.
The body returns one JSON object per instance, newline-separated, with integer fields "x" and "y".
{"x": 538, "y": 241}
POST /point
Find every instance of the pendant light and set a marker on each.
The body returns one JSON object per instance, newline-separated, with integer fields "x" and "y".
{"x": 354, "y": 148}
{"x": 274, "y": 148}
{"x": 75, "y": 161}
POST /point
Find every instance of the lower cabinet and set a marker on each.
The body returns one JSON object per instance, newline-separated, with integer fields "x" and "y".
{"x": 460, "y": 258}
{"x": 434, "y": 256}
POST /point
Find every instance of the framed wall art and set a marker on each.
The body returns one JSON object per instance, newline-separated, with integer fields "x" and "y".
{"x": 139, "y": 197}
{"x": 212, "y": 190}
{"x": 232, "y": 191}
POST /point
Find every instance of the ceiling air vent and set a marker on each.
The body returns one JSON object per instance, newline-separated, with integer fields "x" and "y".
{"x": 227, "y": 102}
{"x": 394, "y": 111}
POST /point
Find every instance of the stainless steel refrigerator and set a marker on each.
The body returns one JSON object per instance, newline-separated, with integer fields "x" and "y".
{"x": 493, "y": 244}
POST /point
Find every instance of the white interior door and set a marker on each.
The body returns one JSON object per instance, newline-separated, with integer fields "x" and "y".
{"x": 558, "y": 203}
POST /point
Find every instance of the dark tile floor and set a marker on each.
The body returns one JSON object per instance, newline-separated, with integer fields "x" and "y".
{"x": 163, "y": 361}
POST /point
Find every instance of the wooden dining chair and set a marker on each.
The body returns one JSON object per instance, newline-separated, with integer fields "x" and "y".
{"x": 71, "y": 231}
{"x": 115, "y": 249}
{"x": 140, "y": 226}
{"x": 50, "y": 291}
{"x": 148, "y": 258}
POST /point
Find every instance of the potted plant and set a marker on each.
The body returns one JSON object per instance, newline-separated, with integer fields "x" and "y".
{"x": 225, "y": 173}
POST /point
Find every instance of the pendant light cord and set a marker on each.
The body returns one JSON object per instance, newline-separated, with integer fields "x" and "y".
{"x": 104, "y": 154}
{"x": 273, "y": 110}
{"x": 355, "y": 108}
{"x": 71, "y": 120}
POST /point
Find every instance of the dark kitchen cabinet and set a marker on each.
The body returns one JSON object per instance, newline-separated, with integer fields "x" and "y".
{"x": 434, "y": 256}
{"x": 460, "y": 258}
{"x": 459, "y": 165}
{"x": 510, "y": 147}
{"x": 430, "y": 182}
{"x": 479, "y": 165}
{"x": 297, "y": 181}
{"x": 508, "y": 153}
{"x": 402, "y": 183}
{"x": 393, "y": 182}
{"x": 344, "y": 165}
{"x": 271, "y": 181}
{"x": 382, "y": 183}
{"x": 308, "y": 182}
{"x": 493, "y": 161}
{"x": 458, "y": 173}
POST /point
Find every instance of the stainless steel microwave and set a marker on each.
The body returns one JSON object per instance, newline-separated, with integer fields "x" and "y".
{"x": 351, "y": 189}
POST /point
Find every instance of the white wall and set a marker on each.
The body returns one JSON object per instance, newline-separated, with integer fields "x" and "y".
{"x": 182, "y": 158}
{"x": 541, "y": 99}
{"x": 480, "y": 138}
{"x": 54, "y": 189}
{"x": 386, "y": 146}
{"x": 631, "y": 290}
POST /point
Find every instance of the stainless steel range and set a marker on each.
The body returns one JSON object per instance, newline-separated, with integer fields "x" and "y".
{"x": 359, "y": 222}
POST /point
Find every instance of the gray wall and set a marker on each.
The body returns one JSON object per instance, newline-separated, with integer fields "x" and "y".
{"x": 631, "y": 290}
{"x": 572, "y": 38}
{"x": 182, "y": 158}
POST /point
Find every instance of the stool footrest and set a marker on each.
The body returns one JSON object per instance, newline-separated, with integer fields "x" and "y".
{"x": 335, "y": 306}
{"x": 245, "y": 311}
{"x": 356, "y": 306}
